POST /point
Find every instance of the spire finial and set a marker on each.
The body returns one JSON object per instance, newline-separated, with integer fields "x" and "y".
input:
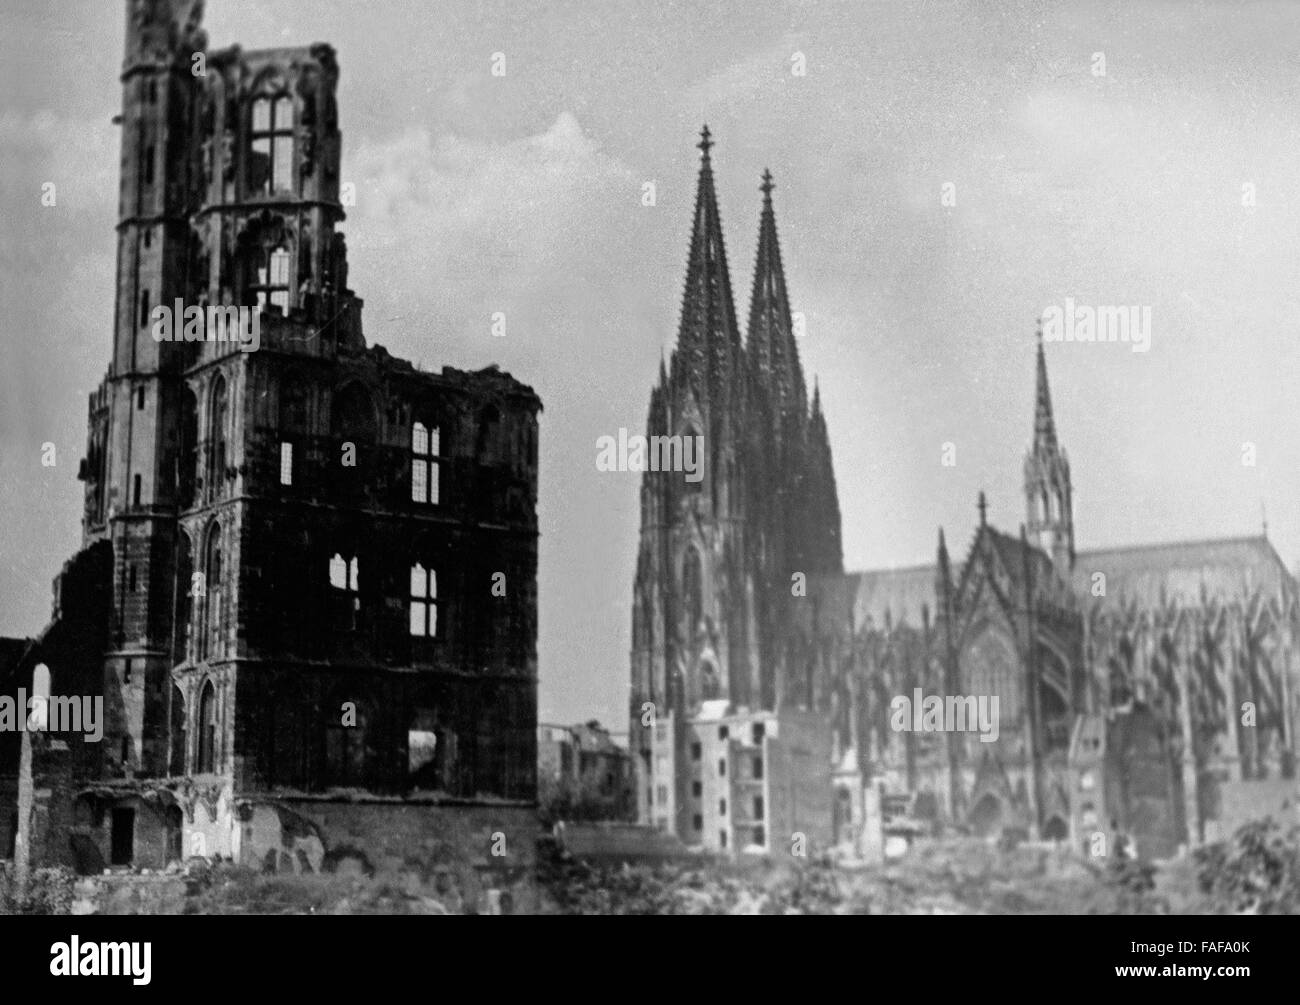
{"x": 705, "y": 142}
{"x": 983, "y": 508}
{"x": 767, "y": 186}
{"x": 1044, "y": 423}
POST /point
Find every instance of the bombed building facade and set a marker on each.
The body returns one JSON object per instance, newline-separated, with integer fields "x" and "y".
{"x": 1146, "y": 691}
{"x": 307, "y": 588}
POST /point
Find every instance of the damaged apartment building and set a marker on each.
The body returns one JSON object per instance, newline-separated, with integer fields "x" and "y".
{"x": 307, "y": 586}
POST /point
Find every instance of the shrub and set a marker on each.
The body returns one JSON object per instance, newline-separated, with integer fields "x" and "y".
{"x": 1256, "y": 871}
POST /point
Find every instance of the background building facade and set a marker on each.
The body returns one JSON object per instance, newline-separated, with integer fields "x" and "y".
{"x": 1124, "y": 676}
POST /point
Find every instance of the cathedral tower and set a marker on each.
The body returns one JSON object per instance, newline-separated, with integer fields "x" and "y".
{"x": 713, "y": 605}
{"x": 1048, "y": 504}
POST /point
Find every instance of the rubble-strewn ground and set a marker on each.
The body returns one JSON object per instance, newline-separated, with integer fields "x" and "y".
{"x": 960, "y": 876}
{"x": 1256, "y": 871}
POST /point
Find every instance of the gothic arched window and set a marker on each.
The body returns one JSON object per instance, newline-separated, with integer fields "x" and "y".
{"x": 692, "y": 591}
{"x": 218, "y": 414}
{"x": 210, "y": 637}
{"x": 187, "y": 460}
{"x": 207, "y": 762}
{"x": 270, "y": 162}
{"x": 992, "y": 668}
{"x": 177, "y": 760}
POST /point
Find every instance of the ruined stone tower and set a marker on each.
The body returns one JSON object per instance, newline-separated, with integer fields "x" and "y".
{"x": 309, "y": 568}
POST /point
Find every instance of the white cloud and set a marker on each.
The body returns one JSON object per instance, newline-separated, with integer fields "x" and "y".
{"x": 448, "y": 209}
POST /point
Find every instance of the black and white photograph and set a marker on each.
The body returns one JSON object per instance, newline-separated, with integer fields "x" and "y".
{"x": 650, "y": 457}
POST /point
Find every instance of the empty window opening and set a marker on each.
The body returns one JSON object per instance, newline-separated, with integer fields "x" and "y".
{"x": 123, "y": 837}
{"x": 425, "y": 450}
{"x": 217, "y": 435}
{"x": 344, "y": 584}
{"x": 210, "y": 637}
{"x": 286, "y": 463}
{"x": 207, "y": 730}
{"x": 272, "y": 281}
{"x": 424, "y": 602}
{"x": 271, "y": 160}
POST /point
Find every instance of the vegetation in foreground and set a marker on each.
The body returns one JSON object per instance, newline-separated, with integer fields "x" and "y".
{"x": 1256, "y": 871}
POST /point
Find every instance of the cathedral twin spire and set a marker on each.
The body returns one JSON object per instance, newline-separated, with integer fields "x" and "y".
{"x": 708, "y": 342}
{"x": 774, "y": 358}
{"x": 709, "y": 353}
{"x": 749, "y": 396}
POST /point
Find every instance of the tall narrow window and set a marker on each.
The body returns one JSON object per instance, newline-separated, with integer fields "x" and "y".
{"x": 424, "y": 602}
{"x": 346, "y": 593}
{"x": 144, "y": 307}
{"x": 187, "y": 459}
{"x": 271, "y": 162}
{"x": 425, "y": 448}
{"x": 286, "y": 463}
{"x": 692, "y": 591}
{"x": 213, "y": 594}
{"x": 217, "y": 437}
{"x": 207, "y": 730}
{"x": 177, "y": 762}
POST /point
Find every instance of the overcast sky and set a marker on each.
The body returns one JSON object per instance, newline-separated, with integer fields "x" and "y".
{"x": 522, "y": 194}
